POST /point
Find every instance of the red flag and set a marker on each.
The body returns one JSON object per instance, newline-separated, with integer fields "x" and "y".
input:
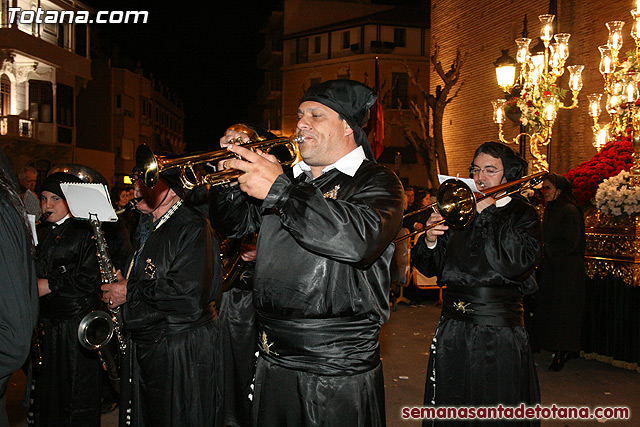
{"x": 378, "y": 143}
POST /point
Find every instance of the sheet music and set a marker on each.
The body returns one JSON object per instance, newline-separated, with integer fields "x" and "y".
{"x": 470, "y": 182}
{"x": 87, "y": 200}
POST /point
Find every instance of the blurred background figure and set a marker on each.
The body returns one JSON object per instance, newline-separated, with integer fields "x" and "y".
{"x": 19, "y": 301}
{"x": 28, "y": 178}
{"x": 120, "y": 197}
{"x": 410, "y": 198}
{"x": 561, "y": 277}
{"x": 68, "y": 383}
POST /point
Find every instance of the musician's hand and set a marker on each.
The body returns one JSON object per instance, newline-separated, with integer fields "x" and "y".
{"x": 437, "y": 230}
{"x": 260, "y": 170}
{"x": 248, "y": 252}
{"x": 43, "y": 287}
{"x": 485, "y": 203}
{"x": 418, "y": 226}
{"x": 231, "y": 137}
{"x": 115, "y": 294}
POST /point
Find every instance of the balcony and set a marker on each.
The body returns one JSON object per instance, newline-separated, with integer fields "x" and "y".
{"x": 15, "y": 127}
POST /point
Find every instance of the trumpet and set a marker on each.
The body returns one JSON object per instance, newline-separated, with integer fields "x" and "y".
{"x": 150, "y": 165}
{"x": 456, "y": 202}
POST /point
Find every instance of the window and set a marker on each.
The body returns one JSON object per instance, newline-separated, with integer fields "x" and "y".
{"x": 125, "y": 105}
{"x": 41, "y": 100}
{"x": 64, "y": 107}
{"x": 62, "y": 42}
{"x": 303, "y": 51}
{"x": 400, "y": 92}
{"x": 81, "y": 39}
{"x": 400, "y": 37}
{"x": 346, "y": 40}
{"x": 317, "y": 44}
{"x": 5, "y": 94}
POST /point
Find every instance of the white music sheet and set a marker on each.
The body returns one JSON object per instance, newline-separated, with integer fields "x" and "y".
{"x": 89, "y": 201}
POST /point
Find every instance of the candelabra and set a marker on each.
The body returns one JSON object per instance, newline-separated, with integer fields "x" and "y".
{"x": 540, "y": 97}
{"x": 621, "y": 78}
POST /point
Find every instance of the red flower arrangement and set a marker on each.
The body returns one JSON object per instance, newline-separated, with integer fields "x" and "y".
{"x": 615, "y": 156}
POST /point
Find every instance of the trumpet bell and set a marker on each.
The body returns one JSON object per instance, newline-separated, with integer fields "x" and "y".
{"x": 456, "y": 203}
{"x": 95, "y": 330}
{"x": 147, "y": 165}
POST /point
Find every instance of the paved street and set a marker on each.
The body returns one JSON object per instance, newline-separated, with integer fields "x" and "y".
{"x": 405, "y": 340}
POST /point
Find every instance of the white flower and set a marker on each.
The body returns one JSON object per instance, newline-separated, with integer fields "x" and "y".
{"x": 615, "y": 196}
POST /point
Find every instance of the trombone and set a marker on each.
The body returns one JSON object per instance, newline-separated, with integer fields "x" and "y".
{"x": 456, "y": 202}
{"x": 190, "y": 166}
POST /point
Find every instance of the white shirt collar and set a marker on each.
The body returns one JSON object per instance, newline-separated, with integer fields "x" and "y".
{"x": 63, "y": 219}
{"x": 503, "y": 201}
{"x": 348, "y": 164}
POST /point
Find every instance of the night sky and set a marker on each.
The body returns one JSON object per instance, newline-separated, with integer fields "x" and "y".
{"x": 205, "y": 55}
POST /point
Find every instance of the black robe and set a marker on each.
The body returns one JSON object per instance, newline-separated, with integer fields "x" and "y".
{"x": 67, "y": 388}
{"x": 480, "y": 355}
{"x": 18, "y": 297}
{"x": 321, "y": 291}
{"x": 561, "y": 277}
{"x": 170, "y": 377}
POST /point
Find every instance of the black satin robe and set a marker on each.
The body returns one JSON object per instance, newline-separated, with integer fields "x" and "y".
{"x": 321, "y": 291}
{"x": 170, "y": 371}
{"x": 239, "y": 335}
{"x": 561, "y": 277}
{"x": 480, "y": 355}
{"x": 67, "y": 389}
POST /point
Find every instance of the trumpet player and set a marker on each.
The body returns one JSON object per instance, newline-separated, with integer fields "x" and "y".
{"x": 169, "y": 376}
{"x": 480, "y": 355}
{"x": 321, "y": 283}
{"x": 68, "y": 385}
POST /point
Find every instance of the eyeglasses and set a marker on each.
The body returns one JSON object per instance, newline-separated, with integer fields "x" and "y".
{"x": 488, "y": 171}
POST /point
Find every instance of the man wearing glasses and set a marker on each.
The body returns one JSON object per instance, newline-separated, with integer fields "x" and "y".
{"x": 480, "y": 355}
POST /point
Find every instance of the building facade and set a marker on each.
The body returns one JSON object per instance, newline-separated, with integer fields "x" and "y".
{"x": 43, "y": 67}
{"x": 121, "y": 109}
{"x": 484, "y": 29}
{"x": 324, "y": 40}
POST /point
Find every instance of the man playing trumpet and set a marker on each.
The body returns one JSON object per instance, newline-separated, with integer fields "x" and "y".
{"x": 321, "y": 284}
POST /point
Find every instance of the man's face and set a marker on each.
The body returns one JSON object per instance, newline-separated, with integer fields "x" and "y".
{"x": 29, "y": 182}
{"x": 324, "y": 134}
{"x": 51, "y": 202}
{"x": 411, "y": 196}
{"x": 151, "y": 197}
{"x": 487, "y": 171}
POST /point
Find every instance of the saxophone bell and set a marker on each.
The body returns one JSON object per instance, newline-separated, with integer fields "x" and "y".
{"x": 95, "y": 330}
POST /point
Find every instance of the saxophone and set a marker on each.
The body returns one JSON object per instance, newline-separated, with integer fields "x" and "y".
{"x": 98, "y": 327}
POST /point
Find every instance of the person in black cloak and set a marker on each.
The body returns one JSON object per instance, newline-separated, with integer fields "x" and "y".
{"x": 560, "y": 299}
{"x": 67, "y": 387}
{"x": 480, "y": 354}
{"x": 18, "y": 287}
{"x": 168, "y": 305}
{"x": 322, "y": 275}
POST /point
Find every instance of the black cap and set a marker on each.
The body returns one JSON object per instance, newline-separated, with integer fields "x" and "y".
{"x": 351, "y": 100}
{"x": 52, "y": 182}
{"x": 514, "y": 166}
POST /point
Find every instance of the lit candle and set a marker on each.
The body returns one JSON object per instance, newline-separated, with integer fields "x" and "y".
{"x": 631, "y": 91}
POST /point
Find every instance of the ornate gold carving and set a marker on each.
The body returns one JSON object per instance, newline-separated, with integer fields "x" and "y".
{"x": 613, "y": 247}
